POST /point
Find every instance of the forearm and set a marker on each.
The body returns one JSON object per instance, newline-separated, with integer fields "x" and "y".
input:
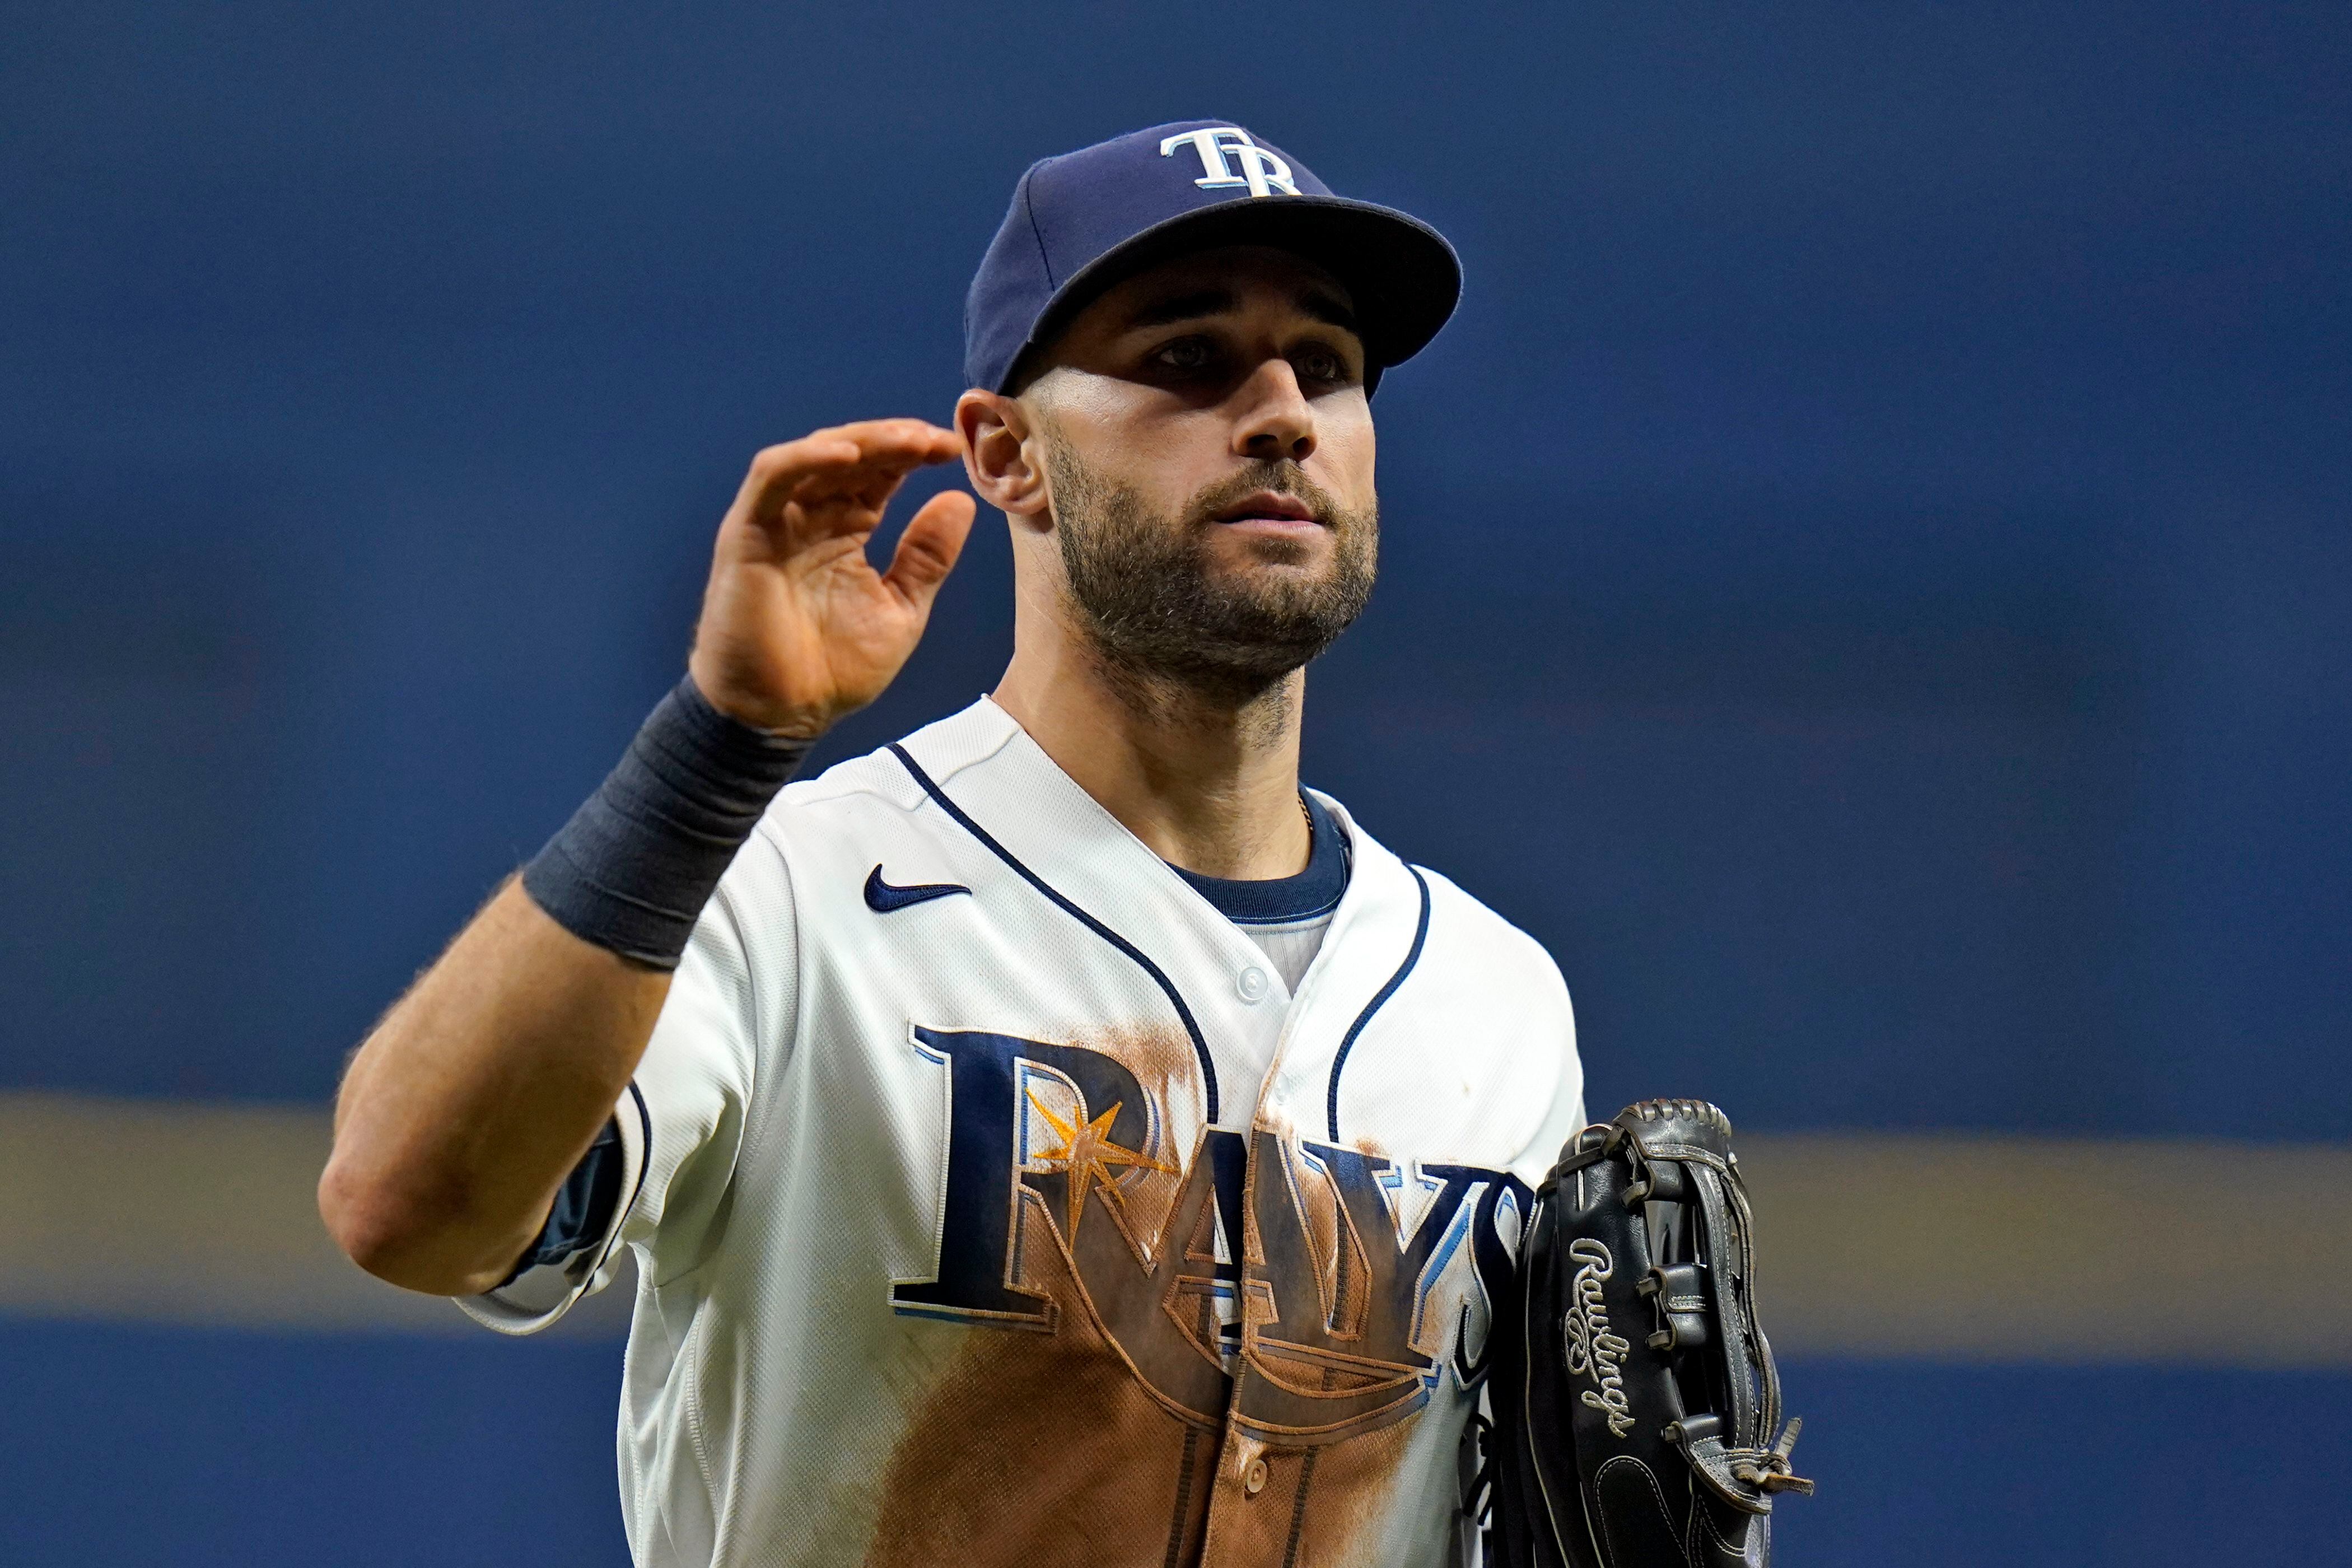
{"x": 472, "y": 1100}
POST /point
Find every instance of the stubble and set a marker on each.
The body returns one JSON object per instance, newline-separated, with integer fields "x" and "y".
{"x": 1161, "y": 614}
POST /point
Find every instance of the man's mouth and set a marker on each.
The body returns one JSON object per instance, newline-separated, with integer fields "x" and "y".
{"x": 1269, "y": 510}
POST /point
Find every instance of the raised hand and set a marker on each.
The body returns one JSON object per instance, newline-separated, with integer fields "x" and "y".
{"x": 797, "y": 627}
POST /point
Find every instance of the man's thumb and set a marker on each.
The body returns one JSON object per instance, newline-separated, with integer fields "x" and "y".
{"x": 927, "y": 551}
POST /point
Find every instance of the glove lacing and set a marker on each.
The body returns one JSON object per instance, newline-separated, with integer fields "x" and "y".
{"x": 1766, "y": 1469}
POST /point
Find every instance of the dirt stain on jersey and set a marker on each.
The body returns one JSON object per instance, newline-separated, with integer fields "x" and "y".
{"x": 1353, "y": 1495}
{"x": 1315, "y": 1508}
{"x": 1163, "y": 1061}
{"x": 1042, "y": 1451}
{"x": 1098, "y": 1443}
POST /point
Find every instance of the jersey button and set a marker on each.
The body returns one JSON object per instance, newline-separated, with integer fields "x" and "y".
{"x": 1254, "y": 1482}
{"x": 1251, "y": 984}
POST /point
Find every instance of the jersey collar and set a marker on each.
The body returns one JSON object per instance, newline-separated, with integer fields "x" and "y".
{"x": 987, "y": 763}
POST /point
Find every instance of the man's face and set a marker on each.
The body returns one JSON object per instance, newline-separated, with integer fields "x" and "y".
{"x": 1208, "y": 447}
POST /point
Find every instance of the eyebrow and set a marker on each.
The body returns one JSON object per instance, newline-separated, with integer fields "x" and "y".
{"x": 1318, "y": 304}
{"x": 1170, "y": 309}
{"x": 1322, "y": 307}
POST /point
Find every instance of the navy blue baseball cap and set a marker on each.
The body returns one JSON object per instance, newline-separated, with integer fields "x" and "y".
{"x": 1086, "y": 220}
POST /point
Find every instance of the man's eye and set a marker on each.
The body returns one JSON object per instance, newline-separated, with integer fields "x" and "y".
{"x": 1321, "y": 365}
{"x": 1186, "y": 353}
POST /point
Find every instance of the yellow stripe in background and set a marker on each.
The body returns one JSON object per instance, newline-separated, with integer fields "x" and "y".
{"x": 1989, "y": 1248}
{"x": 131, "y": 1210}
{"x": 2195, "y": 1252}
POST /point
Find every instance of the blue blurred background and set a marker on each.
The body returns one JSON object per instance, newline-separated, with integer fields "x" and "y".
{"x": 1866, "y": 579}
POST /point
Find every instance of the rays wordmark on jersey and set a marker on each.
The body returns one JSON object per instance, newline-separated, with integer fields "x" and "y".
{"x": 1347, "y": 1284}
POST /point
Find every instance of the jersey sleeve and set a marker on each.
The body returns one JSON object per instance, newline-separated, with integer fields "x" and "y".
{"x": 1564, "y": 1119}
{"x": 668, "y": 1157}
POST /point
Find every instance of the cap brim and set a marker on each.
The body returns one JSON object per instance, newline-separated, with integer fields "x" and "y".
{"x": 1404, "y": 277}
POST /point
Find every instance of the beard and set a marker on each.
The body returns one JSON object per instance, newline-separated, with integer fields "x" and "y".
{"x": 1157, "y": 606}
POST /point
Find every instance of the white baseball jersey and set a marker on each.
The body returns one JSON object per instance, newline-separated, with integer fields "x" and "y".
{"x": 996, "y": 1203}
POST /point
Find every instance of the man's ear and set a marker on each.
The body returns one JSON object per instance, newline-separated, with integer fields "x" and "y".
{"x": 1001, "y": 455}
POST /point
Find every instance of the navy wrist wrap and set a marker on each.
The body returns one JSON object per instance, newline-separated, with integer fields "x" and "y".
{"x": 632, "y": 869}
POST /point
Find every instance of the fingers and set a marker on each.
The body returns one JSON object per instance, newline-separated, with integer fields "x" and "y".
{"x": 860, "y": 463}
{"x": 927, "y": 551}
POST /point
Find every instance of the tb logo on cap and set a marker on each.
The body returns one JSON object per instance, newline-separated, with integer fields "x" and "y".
{"x": 1263, "y": 170}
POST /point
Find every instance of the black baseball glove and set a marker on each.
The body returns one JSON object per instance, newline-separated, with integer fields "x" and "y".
{"x": 1635, "y": 1406}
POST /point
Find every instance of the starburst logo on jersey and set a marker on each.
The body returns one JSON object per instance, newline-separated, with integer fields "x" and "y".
{"x": 1338, "y": 1285}
{"x": 1262, "y": 171}
{"x": 1087, "y": 1154}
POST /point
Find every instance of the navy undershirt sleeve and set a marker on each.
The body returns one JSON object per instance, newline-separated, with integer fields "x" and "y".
{"x": 583, "y": 1207}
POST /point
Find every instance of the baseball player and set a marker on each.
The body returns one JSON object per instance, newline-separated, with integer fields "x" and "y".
{"x": 1054, "y": 1138}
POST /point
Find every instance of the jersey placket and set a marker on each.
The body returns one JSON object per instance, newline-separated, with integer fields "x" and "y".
{"x": 1258, "y": 1500}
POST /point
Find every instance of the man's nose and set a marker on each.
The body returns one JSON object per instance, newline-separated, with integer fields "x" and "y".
{"x": 1277, "y": 420}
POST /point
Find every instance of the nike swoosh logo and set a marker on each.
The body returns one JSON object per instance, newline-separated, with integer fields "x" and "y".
{"x": 882, "y": 898}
